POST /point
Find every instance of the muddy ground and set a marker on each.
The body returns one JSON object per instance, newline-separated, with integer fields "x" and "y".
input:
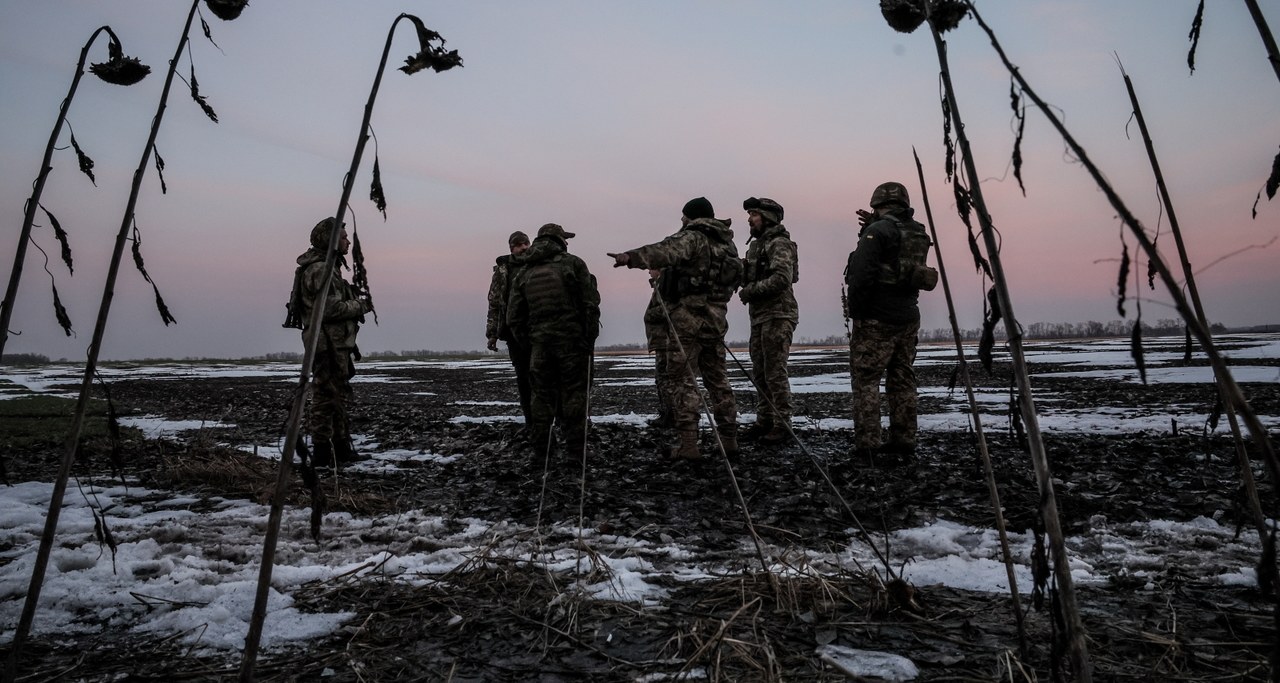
{"x": 521, "y": 625}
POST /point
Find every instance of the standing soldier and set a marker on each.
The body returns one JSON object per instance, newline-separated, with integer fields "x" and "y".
{"x": 657, "y": 334}
{"x": 555, "y": 311}
{"x": 701, "y": 270}
{"x": 336, "y": 351}
{"x": 771, "y": 268}
{"x": 884, "y": 277}
{"x": 496, "y": 324}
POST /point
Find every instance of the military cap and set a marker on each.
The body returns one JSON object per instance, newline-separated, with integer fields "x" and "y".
{"x": 517, "y": 237}
{"x": 555, "y": 231}
{"x": 699, "y": 207}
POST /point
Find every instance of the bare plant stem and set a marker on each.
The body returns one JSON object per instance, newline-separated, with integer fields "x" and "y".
{"x": 311, "y": 342}
{"x": 987, "y": 469}
{"x": 33, "y": 204}
{"x": 86, "y": 385}
{"x": 1242, "y": 456}
{"x": 1273, "y": 53}
{"x": 1077, "y": 642}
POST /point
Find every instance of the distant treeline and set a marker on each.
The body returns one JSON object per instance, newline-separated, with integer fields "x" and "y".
{"x": 1091, "y": 329}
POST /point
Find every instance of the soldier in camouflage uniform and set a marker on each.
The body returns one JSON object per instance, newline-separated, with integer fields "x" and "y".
{"x": 657, "y": 335}
{"x": 770, "y": 269}
{"x": 555, "y": 310}
{"x": 496, "y": 323}
{"x": 701, "y": 270}
{"x": 883, "y": 296}
{"x": 336, "y": 351}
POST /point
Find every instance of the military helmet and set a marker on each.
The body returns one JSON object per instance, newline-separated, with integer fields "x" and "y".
{"x": 769, "y": 209}
{"x": 890, "y": 193}
{"x": 320, "y": 233}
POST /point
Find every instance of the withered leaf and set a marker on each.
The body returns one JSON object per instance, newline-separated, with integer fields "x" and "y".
{"x": 1273, "y": 181}
{"x": 1135, "y": 350}
{"x": 1020, "y": 114}
{"x": 360, "y": 274}
{"x": 61, "y": 235}
{"x": 1196, "y": 24}
{"x": 375, "y": 189}
{"x": 164, "y": 189}
{"x": 208, "y": 35}
{"x": 200, "y": 100}
{"x": 1122, "y": 280}
{"x": 86, "y": 164}
{"x": 165, "y": 315}
{"x": 60, "y": 311}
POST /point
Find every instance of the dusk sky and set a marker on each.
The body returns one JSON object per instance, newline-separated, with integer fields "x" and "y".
{"x": 606, "y": 117}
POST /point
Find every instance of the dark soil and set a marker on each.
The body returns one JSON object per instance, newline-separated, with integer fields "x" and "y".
{"x": 518, "y": 624}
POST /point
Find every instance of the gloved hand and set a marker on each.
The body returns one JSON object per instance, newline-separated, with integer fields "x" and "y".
{"x": 620, "y": 260}
{"x": 865, "y": 217}
{"x": 493, "y": 344}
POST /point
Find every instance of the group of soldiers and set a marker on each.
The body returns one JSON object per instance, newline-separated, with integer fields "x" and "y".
{"x": 545, "y": 305}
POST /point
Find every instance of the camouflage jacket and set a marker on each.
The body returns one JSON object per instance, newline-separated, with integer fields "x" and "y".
{"x": 499, "y": 293}
{"x": 869, "y": 298}
{"x": 553, "y": 295}
{"x": 682, "y": 257}
{"x": 772, "y": 266}
{"x": 343, "y": 311}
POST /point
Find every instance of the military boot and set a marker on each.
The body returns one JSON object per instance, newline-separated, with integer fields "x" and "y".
{"x": 663, "y": 419}
{"x": 687, "y": 449}
{"x": 729, "y": 439}
{"x": 762, "y": 425}
{"x": 777, "y": 434}
{"x": 344, "y": 454}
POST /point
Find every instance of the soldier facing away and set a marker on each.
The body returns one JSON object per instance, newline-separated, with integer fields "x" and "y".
{"x": 336, "y": 351}
{"x": 701, "y": 270}
{"x": 771, "y": 268}
{"x": 496, "y": 323}
{"x": 884, "y": 277}
{"x": 555, "y": 311}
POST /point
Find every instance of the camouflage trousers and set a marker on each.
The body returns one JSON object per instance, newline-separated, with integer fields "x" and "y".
{"x": 699, "y": 356}
{"x": 876, "y": 350}
{"x": 520, "y": 363}
{"x": 770, "y": 346}
{"x": 659, "y": 345}
{"x": 558, "y": 378}
{"x": 331, "y": 395}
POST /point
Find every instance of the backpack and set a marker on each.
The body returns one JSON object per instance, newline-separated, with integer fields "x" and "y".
{"x": 910, "y": 267}
{"x": 724, "y": 269}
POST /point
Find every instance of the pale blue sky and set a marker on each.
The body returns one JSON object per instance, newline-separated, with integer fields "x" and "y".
{"x": 606, "y": 117}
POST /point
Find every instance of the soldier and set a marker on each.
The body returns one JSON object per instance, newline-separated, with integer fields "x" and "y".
{"x": 771, "y": 268}
{"x": 884, "y": 277}
{"x": 555, "y": 311}
{"x": 496, "y": 324}
{"x": 701, "y": 270}
{"x": 657, "y": 335}
{"x": 336, "y": 350}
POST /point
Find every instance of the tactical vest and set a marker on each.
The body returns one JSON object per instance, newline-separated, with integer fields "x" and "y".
{"x": 762, "y": 263}
{"x": 546, "y": 290}
{"x": 718, "y": 273}
{"x": 910, "y": 268}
